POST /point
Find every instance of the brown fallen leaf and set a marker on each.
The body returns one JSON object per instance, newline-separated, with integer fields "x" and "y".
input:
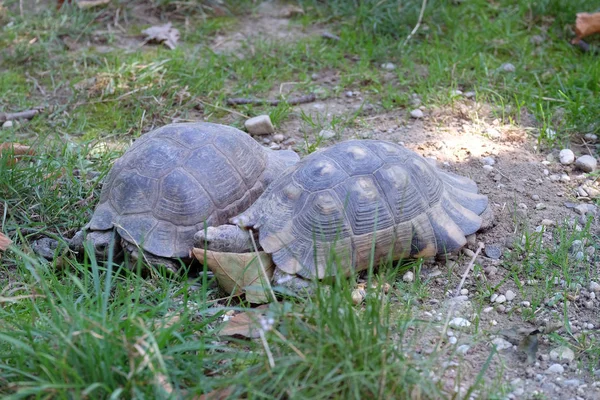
{"x": 217, "y": 394}
{"x": 586, "y": 24}
{"x": 16, "y": 149}
{"x": 246, "y": 324}
{"x": 163, "y": 34}
{"x": 4, "y": 242}
{"x": 239, "y": 273}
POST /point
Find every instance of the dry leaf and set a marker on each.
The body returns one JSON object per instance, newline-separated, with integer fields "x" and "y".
{"x": 217, "y": 394}
{"x": 83, "y": 4}
{"x": 585, "y": 25}
{"x": 244, "y": 324}
{"x": 16, "y": 149}
{"x": 164, "y": 34}
{"x": 4, "y": 242}
{"x": 239, "y": 273}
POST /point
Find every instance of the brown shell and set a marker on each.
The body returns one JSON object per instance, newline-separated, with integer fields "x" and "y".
{"x": 175, "y": 179}
{"x": 358, "y": 202}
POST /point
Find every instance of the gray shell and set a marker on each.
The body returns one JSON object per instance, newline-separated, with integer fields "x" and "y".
{"x": 358, "y": 199}
{"x": 175, "y": 179}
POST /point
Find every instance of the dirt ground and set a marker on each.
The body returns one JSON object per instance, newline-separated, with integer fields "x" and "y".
{"x": 529, "y": 189}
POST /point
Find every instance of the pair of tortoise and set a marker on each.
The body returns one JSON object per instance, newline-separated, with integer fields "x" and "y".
{"x": 360, "y": 200}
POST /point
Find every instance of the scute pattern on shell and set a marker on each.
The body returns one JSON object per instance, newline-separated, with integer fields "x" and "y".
{"x": 340, "y": 201}
{"x": 175, "y": 179}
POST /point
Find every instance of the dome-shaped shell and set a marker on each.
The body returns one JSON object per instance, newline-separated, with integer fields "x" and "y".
{"x": 358, "y": 199}
{"x": 175, "y": 179}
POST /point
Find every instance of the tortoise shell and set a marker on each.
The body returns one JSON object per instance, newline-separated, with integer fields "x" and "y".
{"x": 361, "y": 199}
{"x": 175, "y": 179}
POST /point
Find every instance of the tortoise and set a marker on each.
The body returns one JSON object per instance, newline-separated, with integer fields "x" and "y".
{"x": 175, "y": 180}
{"x": 351, "y": 204}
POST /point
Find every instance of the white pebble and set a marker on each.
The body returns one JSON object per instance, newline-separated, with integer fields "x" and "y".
{"x": 260, "y": 125}
{"x": 409, "y": 276}
{"x": 555, "y": 369}
{"x": 502, "y": 344}
{"x": 459, "y": 323}
{"x": 278, "y": 138}
{"x": 488, "y": 161}
{"x": 326, "y": 134}
{"x": 463, "y": 348}
{"x": 388, "y": 66}
{"x": 591, "y": 137}
{"x": 500, "y": 299}
{"x": 507, "y": 67}
{"x": 566, "y": 156}
{"x": 494, "y": 297}
{"x": 464, "y": 292}
{"x": 417, "y": 114}
{"x": 453, "y": 339}
{"x": 510, "y": 295}
{"x": 488, "y": 309}
{"x": 526, "y": 304}
{"x": 7, "y": 124}
{"x": 594, "y": 286}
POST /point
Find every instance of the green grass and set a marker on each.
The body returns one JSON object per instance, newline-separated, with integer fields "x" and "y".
{"x": 76, "y": 328}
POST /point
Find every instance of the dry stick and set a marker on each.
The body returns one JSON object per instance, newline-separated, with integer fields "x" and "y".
{"x": 309, "y": 98}
{"x": 459, "y": 287}
{"x": 224, "y": 109}
{"x": 28, "y": 114}
{"x": 263, "y": 339}
{"x": 36, "y": 84}
{"x": 262, "y": 267}
{"x": 416, "y": 28}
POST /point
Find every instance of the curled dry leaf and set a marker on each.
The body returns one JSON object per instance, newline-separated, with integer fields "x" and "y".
{"x": 4, "y": 242}
{"x": 586, "y": 24}
{"x": 16, "y": 149}
{"x": 239, "y": 273}
{"x": 163, "y": 34}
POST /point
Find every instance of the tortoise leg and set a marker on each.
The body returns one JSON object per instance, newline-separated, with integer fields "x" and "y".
{"x": 136, "y": 254}
{"x": 294, "y": 283}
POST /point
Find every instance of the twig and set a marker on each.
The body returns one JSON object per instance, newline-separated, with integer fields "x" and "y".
{"x": 36, "y": 84}
{"x": 224, "y": 109}
{"x": 459, "y": 287}
{"x": 263, "y": 339}
{"x": 416, "y": 28}
{"x": 28, "y": 114}
{"x": 309, "y": 98}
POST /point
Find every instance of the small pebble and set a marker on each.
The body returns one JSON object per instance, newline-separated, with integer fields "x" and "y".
{"x": 459, "y": 322}
{"x": 510, "y": 295}
{"x": 507, "y": 67}
{"x": 526, "y": 304}
{"x": 540, "y": 206}
{"x": 591, "y": 137}
{"x": 562, "y": 353}
{"x": 464, "y": 292}
{"x": 548, "y": 222}
{"x": 488, "y": 161}
{"x": 452, "y": 339}
{"x": 409, "y": 276}
{"x": 488, "y": 309}
{"x": 327, "y": 134}
{"x": 500, "y": 299}
{"x": 493, "y": 251}
{"x": 463, "y": 349}
{"x": 595, "y": 286}
{"x": 586, "y": 163}
{"x": 388, "y": 66}
{"x": 417, "y": 113}
{"x": 535, "y": 197}
{"x": 488, "y": 168}
{"x": 555, "y": 369}
{"x": 278, "y": 138}
{"x": 566, "y": 156}
{"x": 502, "y": 344}
{"x": 7, "y": 124}
{"x": 260, "y": 125}
{"x": 470, "y": 95}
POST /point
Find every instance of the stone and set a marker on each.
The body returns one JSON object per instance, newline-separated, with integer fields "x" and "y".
{"x": 260, "y": 125}
{"x": 500, "y": 299}
{"x": 327, "y": 134}
{"x": 510, "y": 295}
{"x": 388, "y": 66}
{"x": 586, "y": 163}
{"x": 526, "y": 304}
{"x": 540, "y": 206}
{"x": 507, "y": 67}
{"x": 278, "y": 138}
{"x": 502, "y": 344}
{"x": 548, "y": 222}
{"x": 562, "y": 353}
{"x": 469, "y": 95}
{"x": 493, "y": 251}
{"x": 595, "y": 286}
{"x": 7, "y": 124}
{"x": 555, "y": 369}
{"x": 409, "y": 276}
{"x": 566, "y": 156}
{"x": 459, "y": 322}
{"x": 591, "y": 137}
{"x": 417, "y": 113}
{"x": 488, "y": 168}
{"x": 488, "y": 161}
{"x": 463, "y": 349}
{"x": 493, "y": 133}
